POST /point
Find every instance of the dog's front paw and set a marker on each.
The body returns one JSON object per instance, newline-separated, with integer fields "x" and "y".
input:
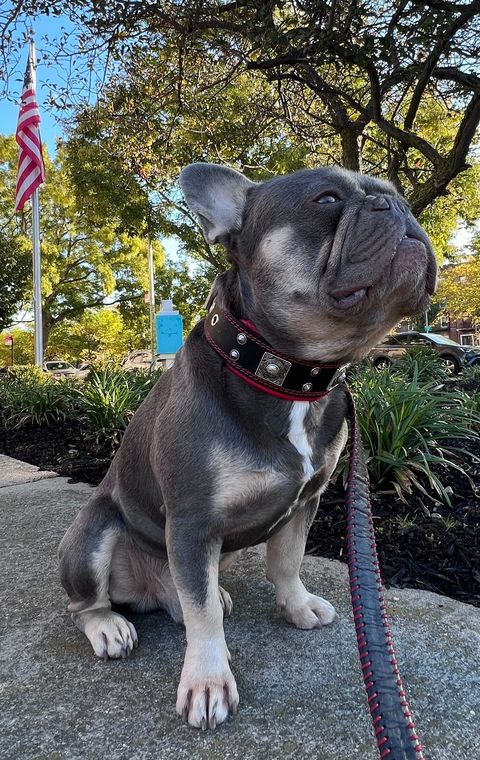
{"x": 207, "y": 692}
{"x": 110, "y": 634}
{"x": 308, "y": 611}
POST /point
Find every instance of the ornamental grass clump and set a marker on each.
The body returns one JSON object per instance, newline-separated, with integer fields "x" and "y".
{"x": 29, "y": 396}
{"x": 110, "y": 398}
{"x": 421, "y": 362}
{"x": 412, "y": 432}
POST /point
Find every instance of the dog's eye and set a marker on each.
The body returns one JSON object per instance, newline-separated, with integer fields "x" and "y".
{"x": 327, "y": 198}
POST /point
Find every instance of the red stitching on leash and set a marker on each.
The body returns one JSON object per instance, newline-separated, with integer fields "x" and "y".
{"x": 358, "y": 490}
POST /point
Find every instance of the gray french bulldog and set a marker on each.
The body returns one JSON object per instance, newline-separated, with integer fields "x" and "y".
{"x": 219, "y": 457}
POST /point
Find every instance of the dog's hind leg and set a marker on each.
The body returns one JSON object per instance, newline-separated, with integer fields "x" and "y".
{"x": 85, "y": 555}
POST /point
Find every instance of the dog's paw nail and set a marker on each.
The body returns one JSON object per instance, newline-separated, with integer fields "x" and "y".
{"x": 203, "y": 724}
{"x": 225, "y": 601}
{"x": 186, "y": 706}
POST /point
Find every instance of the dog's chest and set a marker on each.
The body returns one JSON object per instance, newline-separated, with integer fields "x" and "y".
{"x": 256, "y": 495}
{"x": 298, "y": 437}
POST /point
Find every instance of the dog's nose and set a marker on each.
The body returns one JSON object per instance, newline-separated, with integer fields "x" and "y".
{"x": 377, "y": 203}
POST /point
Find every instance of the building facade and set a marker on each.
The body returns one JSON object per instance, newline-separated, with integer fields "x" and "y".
{"x": 463, "y": 331}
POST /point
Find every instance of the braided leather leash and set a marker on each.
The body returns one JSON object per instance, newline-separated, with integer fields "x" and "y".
{"x": 391, "y": 716}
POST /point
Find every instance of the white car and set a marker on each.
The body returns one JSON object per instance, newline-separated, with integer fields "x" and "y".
{"x": 60, "y": 369}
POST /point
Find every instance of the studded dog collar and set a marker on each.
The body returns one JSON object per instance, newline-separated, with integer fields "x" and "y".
{"x": 250, "y": 357}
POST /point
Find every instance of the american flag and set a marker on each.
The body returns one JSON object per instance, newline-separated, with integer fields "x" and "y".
{"x": 31, "y": 171}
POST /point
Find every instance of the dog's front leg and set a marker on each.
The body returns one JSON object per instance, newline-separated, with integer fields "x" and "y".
{"x": 285, "y": 552}
{"x": 207, "y": 691}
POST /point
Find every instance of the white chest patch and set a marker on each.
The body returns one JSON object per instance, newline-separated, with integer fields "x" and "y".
{"x": 297, "y": 435}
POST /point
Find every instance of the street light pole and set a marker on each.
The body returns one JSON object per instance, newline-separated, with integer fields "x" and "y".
{"x": 151, "y": 298}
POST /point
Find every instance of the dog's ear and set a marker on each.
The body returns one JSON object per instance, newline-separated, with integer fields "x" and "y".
{"x": 216, "y": 195}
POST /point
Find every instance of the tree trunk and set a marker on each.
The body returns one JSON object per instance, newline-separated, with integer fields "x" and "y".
{"x": 47, "y": 324}
{"x": 350, "y": 149}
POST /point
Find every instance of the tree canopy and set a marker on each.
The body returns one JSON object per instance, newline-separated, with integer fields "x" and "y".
{"x": 355, "y": 76}
{"x": 142, "y": 131}
{"x": 459, "y": 289}
{"x": 268, "y": 86}
{"x": 15, "y": 249}
{"x": 87, "y": 262}
{"x": 97, "y": 334}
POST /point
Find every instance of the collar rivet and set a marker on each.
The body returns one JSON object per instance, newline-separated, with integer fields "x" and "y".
{"x": 241, "y": 338}
{"x": 314, "y": 372}
{"x": 307, "y": 387}
{"x": 272, "y": 369}
{"x": 234, "y": 354}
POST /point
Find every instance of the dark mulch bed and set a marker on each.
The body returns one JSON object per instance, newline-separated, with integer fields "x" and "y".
{"x": 68, "y": 448}
{"x": 420, "y": 544}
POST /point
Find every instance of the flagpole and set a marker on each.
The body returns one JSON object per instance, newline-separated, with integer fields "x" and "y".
{"x": 37, "y": 281}
{"x": 37, "y": 270}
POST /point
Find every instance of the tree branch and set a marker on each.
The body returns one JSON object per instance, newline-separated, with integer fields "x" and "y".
{"x": 74, "y": 311}
{"x": 432, "y": 59}
{"x": 411, "y": 140}
{"x": 453, "y": 164}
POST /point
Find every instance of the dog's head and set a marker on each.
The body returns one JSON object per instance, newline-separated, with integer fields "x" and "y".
{"x": 325, "y": 261}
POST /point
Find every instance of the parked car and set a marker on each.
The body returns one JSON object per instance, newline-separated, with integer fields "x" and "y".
{"x": 60, "y": 369}
{"x": 141, "y": 360}
{"x": 452, "y": 355}
{"x": 64, "y": 369}
{"x": 472, "y": 356}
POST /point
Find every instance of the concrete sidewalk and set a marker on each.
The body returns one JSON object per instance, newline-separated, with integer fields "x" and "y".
{"x": 301, "y": 693}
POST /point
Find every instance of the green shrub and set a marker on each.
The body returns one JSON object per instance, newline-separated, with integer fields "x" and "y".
{"x": 27, "y": 373}
{"x": 472, "y": 373}
{"x": 410, "y": 431}
{"x": 107, "y": 400}
{"x": 32, "y": 399}
{"x": 472, "y": 408}
{"x": 421, "y": 362}
{"x": 110, "y": 397}
{"x": 355, "y": 371}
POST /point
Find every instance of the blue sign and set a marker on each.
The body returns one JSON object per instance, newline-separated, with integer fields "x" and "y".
{"x": 169, "y": 330}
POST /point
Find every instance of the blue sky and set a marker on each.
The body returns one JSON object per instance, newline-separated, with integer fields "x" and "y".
{"x": 52, "y": 28}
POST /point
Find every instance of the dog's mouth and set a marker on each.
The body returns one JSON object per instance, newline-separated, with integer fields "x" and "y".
{"x": 411, "y": 255}
{"x": 346, "y": 299}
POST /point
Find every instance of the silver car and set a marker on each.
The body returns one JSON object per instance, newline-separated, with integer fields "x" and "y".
{"x": 141, "y": 360}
